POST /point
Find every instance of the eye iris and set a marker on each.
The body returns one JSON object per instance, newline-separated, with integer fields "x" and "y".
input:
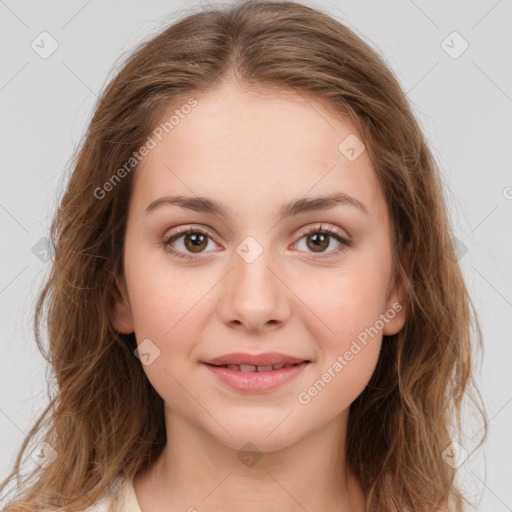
{"x": 198, "y": 242}
{"x": 322, "y": 239}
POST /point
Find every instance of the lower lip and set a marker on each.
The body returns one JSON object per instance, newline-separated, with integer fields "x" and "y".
{"x": 256, "y": 381}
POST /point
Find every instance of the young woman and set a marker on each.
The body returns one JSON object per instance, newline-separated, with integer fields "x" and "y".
{"x": 254, "y": 302}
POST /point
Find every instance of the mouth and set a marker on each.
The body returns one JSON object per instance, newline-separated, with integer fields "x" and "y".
{"x": 248, "y": 368}
{"x": 249, "y": 378}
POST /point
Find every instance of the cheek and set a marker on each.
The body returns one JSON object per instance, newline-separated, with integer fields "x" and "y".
{"x": 170, "y": 307}
{"x": 344, "y": 305}
{"x": 347, "y": 328}
{"x": 170, "y": 310}
{"x": 349, "y": 339}
{"x": 161, "y": 295}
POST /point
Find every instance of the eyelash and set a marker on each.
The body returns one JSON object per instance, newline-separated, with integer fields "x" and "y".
{"x": 314, "y": 230}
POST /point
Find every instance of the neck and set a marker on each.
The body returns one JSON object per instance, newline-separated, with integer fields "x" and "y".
{"x": 197, "y": 472}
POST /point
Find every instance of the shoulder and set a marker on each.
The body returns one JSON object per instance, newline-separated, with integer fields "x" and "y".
{"x": 110, "y": 501}
{"x": 123, "y": 498}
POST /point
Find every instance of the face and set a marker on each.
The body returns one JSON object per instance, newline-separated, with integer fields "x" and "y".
{"x": 316, "y": 284}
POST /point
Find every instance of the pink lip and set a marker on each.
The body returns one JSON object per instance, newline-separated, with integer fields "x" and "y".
{"x": 267, "y": 358}
{"x": 256, "y": 381}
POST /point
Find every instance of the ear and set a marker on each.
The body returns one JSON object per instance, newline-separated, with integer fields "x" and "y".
{"x": 122, "y": 315}
{"x": 396, "y": 304}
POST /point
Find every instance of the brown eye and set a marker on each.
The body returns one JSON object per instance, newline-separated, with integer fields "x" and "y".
{"x": 195, "y": 242}
{"x": 317, "y": 242}
{"x": 187, "y": 242}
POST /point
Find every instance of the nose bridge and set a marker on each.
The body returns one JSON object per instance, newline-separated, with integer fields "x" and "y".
{"x": 253, "y": 295}
{"x": 252, "y": 275}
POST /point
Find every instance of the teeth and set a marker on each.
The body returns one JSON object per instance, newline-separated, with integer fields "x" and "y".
{"x": 245, "y": 368}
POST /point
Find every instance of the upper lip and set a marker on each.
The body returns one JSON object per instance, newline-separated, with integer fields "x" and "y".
{"x": 265, "y": 359}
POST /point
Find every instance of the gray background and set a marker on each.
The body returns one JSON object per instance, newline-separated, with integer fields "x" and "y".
{"x": 464, "y": 105}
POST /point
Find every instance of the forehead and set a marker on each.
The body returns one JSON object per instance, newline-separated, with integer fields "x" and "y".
{"x": 253, "y": 147}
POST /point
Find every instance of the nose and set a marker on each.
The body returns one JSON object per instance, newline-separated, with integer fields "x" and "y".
{"x": 254, "y": 295}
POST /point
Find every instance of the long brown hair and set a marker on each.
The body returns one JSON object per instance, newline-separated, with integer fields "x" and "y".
{"x": 104, "y": 419}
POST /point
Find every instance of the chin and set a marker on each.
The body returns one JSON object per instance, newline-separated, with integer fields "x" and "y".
{"x": 259, "y": 437}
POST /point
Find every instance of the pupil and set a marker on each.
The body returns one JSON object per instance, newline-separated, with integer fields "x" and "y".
{"x": 195, "y": 238}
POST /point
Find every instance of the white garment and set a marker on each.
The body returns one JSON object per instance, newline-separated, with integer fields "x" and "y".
{"x": 127, "y": 498}
{"x": 121, "y": 498}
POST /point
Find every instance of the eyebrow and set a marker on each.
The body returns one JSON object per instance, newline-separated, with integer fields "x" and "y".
{"x": 291, "y": 209}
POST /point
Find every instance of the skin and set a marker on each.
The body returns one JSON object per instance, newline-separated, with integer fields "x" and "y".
{"x": 254, "y": 151}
